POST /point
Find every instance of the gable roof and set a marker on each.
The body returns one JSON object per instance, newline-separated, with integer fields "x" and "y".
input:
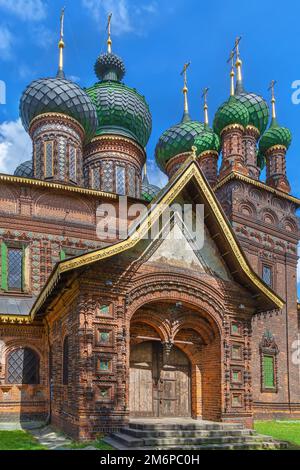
{"x": 189, "y": 177}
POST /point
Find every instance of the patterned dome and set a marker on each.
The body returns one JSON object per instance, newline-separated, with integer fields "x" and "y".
{"x": 207, "y": 141}
{"x": 275, "y": 135}
{"x": 58, "y": 95}
{"x": 176, "y": 140}
{"x": 121, "y": 110}
{"x": 231, "y": 112}
{"x": 110, "y": 67}
{"x": 25, "y": 170}
{"x": 257, "y": 107}
{"x": 149, "y": 191}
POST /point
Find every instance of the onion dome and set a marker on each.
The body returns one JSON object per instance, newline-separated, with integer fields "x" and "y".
{"x": 256, "y": 105}
{"x": 231, "y": 112}
{"x": 58, "y": 95}
{"x": 25, "y": 170}
{"x": 121, "y": 110}
{"x": 177, "y": 140}
{"x": 207, "y": 141}
{"x": 149, "y": 191}
{"x": 275, "y": 135}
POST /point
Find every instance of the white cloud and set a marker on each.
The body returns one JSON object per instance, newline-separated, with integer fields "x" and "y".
{"x": 155, "y": 176}
{"x": 27, "y": 10}
{"x": 127, "y": 16}
{"x": 44, "y": 37}
{"x": 6, "y": 42}
{"x": 15, "y": 146}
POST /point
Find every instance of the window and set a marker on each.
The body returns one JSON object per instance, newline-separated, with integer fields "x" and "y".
{"x": 96, "y": 178}
{"x": 268, "y": 372}
{"x": 120, "y": 180}
{"x": 267, "y": 275}
{"x": 48, "y": 148}
{"x": 66, "y": 361}
{"x": 23, "y": 367}
{"x": 73, "y": 164}
{"x": 12, "y": 267}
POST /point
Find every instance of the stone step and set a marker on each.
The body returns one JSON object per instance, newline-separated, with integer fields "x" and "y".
{"x": 130, "y": 441}
{"x": 197, "y": 425}
{"x": 146, "y": 433}
{"x": 247, "y": 445}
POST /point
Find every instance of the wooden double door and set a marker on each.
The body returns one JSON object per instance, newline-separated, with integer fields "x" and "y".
{"x": 160, "y": 386}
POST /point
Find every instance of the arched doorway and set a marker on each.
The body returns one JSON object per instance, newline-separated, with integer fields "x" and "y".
{"x": 160, "y": 381}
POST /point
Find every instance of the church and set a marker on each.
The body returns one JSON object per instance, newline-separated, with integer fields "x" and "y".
{"x": 95, "y": 331}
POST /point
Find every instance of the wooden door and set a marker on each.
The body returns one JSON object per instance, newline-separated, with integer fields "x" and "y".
{"x": 159, "y": 387}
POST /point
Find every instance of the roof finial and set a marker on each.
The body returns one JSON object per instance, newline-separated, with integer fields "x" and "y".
{"x": 273, "y": 100}
{"x": 185, "y": 91}
{"x": 232, "y": 74}
{"x": 61, "y": 46}
{"x": 109, "y": 41}
{"x": 205, "y": 107}
{"x": 238, "y": 63}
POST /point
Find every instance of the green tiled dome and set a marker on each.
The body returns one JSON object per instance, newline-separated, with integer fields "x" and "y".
{"x": 257, "y": 107}
{"x": 176, "y": 140}
{"x": 121, "y": 110}
{"x": 207, "y": 141}
{"x": 149, "y": 191}
{"x": 275, "y": 135}
{"x": 231, "y": 112}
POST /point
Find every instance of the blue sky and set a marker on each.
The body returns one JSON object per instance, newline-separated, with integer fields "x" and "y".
{"x": 155, "y": 38}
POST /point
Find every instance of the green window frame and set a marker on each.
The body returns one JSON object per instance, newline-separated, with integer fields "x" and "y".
{"x": 5, "y": 267}
{"x": 269, "y": 372}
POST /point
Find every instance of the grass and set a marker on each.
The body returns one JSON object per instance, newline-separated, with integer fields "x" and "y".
{"x": 18, "y": 440}
{"x": 81, "y": 445}
{"x": 288, "y": 431}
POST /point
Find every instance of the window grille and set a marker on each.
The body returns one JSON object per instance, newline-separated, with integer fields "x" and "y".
{"x": 15, "y": 268}
{"x": 23, "y": 367}
{"x": 269, "y": 376}
{"x": 48, "y": 159}
{"x": 120, "y": 180}
{"x": 267, "y": 275}
{"x": 73, "y": 164}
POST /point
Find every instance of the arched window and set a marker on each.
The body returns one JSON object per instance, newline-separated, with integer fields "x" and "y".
{"x": 23, "y": 366}
{"x": 66, "y": 361}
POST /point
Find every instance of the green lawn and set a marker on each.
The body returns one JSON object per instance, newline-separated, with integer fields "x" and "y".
{"x": 98, "y": 444}
{"x": 18, "y": 440}
{"x": 282, "y": 430}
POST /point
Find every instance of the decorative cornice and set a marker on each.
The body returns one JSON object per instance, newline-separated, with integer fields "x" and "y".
{"x": 118, "y": 139}
{"x": 191, "y": 172}
{"x": 253, "y": 130}
{"x": 280, "y": 148}
{"x": 56, "y": 116}
{"x": 233, "y": 127}
{"x": 15, "y": 319}
{"x": 59, "y": 186}
{"x": 208, "y": 153}
{"x": 238, "y": 176}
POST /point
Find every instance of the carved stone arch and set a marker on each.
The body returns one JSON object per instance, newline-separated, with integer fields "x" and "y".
{"x": 289, "y": 224}
{"x": 269, "y": 217}
{"x": 57, "y": 205}
{"x": 205, "y": 331}
{"x": 278, "y": 204}
{"x": 141, "y": 317}
{"x": 9, "y": 199}
{"x": 255, "y": 194}
{"x": 247, "y": 208}
{"x": 154, "y": 291}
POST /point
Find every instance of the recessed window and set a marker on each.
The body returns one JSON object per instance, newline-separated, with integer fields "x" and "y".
{"x": 268, "y": 372}
{"x": 236, "y": 352}
{"x": 120, "y": 180}
{"x": 15, "y": 268}
{"x": 66, "y": 361}
{"x": 73, "y": 164}
{"x": 48, "y": 159}
{"x": 267, "y": 275}
{"x": 23, "y": 367}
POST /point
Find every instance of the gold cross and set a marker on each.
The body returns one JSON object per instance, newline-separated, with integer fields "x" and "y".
{"x": 204, "y": 94}
{"x": 109, "y": 23}
{"x": 62, "y": 19}
{"x": 272, "y": 88}
{"x": 184, "y": 73}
